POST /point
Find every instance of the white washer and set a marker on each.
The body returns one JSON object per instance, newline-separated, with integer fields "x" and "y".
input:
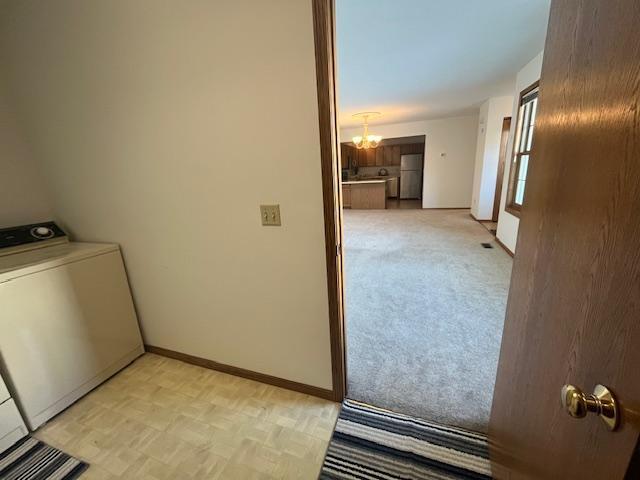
{"x": 67, "y": 323}
{"x": 12, "y": 427}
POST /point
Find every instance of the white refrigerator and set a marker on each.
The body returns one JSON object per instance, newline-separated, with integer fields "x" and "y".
{"x": 411, "y": 176}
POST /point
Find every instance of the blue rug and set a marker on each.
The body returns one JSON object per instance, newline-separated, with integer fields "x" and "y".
{"x": 371, "y": 443}
{"x": 31, "y": 459}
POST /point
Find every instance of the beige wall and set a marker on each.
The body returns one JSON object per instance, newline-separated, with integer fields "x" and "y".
{"x": 492, "y": 114}
{"x": 162, "y": 126}
{"x": 23, "y": 195}
{"x": 447, "y": 179}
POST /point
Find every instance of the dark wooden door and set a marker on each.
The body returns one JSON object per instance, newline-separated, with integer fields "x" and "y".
{"x": 573, "y": 314}
{"x": 504, "y": 137}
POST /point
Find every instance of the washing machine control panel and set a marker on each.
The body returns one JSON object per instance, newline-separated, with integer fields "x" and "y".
{"x": 30, "y": 234}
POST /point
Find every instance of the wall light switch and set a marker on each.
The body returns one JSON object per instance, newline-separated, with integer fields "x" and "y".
{"x": 270, "y": 215}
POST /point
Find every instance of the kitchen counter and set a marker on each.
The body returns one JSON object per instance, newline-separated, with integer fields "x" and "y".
{"x": 366, "y": 193}
{"x": 370, "y": 180}
{"x": 354, "y": 182}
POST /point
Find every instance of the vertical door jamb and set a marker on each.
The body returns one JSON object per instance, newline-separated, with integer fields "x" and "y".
{"x": 324, "y": 39}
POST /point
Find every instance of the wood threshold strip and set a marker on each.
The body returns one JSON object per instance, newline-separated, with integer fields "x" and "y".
{"x": 241, "y": 372}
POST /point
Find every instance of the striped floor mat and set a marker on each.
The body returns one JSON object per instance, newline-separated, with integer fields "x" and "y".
{"x": 371, "y": 443}
{"x": 31, "y": 459}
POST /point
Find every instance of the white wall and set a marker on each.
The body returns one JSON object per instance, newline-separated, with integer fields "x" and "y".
{"x": 162, "y": 126}
{"x": 23, "y": 195}
{"x": 447, "y": 179}
{"x": 507, "y": 223}
{"x": 478, "y": 167}
{"x": 492, "y": 114}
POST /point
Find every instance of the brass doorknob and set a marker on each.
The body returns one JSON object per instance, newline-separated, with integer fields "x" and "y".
{"x": 601, "y": 402}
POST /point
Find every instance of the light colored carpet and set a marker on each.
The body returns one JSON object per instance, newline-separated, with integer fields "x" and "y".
{"x": 425, "y": 306}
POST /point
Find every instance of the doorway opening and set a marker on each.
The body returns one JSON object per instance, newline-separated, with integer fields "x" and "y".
{"x": 422, "y": 297}
{"x": 389, "y": 176}
{"x": 492, "y": 224}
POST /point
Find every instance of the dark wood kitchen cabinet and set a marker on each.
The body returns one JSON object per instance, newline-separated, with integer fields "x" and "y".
{"x": 348, "y": 155}
{"x": 382, "y": 156}
{"x": 346, "y": 196}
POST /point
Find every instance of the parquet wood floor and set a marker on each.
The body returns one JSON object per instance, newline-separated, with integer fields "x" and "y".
{"x": 164, "y": 419}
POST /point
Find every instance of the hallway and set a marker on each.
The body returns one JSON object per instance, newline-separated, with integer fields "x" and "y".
{"x": 425, "y": 307}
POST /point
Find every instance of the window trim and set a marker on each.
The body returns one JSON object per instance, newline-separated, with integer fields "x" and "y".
{"x": 511, "y": 206}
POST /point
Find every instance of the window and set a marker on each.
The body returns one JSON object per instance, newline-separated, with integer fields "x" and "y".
{"x": 522, "y": 148}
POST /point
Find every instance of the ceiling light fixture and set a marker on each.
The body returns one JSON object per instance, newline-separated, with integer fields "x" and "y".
{"x": 366, "y": 140}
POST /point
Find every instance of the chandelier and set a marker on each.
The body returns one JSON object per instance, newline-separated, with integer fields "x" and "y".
{"x": 366, "y": 140}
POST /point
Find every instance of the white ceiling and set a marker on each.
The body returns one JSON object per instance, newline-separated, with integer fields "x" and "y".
{"x": 423, "y": 59}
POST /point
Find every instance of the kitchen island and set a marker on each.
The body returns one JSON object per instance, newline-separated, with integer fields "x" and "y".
{"x": 366, "y": 194}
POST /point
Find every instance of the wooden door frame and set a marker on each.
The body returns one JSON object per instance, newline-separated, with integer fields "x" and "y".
{"x": 502, "y": 161}
{"x": 324, "y": 40}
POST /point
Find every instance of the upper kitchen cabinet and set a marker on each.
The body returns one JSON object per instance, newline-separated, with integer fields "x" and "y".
{"x": 371, "y": 157}
{"x": 379, "y": 156}
{"x": 348, "y": 155}
{"x": 366, "y": 157}
{"x": 412, "y": 148}
{"x": 396, "y": 152}
{"x": 386, "y": 155}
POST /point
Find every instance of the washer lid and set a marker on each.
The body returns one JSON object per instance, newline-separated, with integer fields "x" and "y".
{"x": 26, "y": 263}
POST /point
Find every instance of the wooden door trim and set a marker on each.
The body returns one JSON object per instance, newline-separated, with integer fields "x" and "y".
{"x": 324, "y": 40}
{"x": 502, "y": 161}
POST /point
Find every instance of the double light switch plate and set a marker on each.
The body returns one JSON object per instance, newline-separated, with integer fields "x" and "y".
{"x": 270, "y": 215}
